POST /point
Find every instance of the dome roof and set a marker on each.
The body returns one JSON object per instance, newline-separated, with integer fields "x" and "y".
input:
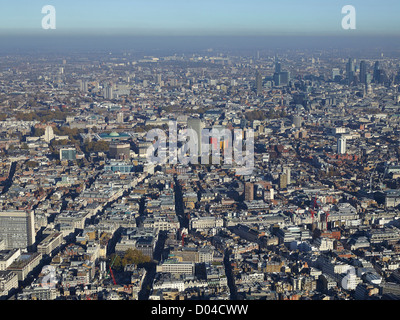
{"x": 114, "y": 134}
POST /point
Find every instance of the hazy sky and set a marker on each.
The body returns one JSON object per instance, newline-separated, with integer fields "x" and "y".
{"x": 201, "y": 17}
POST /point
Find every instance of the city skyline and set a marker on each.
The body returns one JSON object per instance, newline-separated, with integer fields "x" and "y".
{"x": 212, "y": 153}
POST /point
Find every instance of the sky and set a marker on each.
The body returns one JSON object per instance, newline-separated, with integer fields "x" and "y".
{"x": 200, "y": 17}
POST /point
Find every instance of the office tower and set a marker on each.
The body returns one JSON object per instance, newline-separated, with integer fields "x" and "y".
{"x": 108, "y": 92}
{"x": 278, "y": 67}
{"x": 335, "y": 73}
{"x": 284, "y": 78}
{"x": 17, "y": 229}
{"x": 341, "y": 145}
{"x": 287, "y": 172}
{"x": 377, "y": 68}
{"x": 68, "y": 154}
{"x": 350, "y": 70}
{"x": 283, "y": 181}
{"x": 379, "y": 75}
{"x": 83, "y": 85}
{"x": 197, "y": 125}
{"x": 249, "y": 191}
{"x": 259, "y": 84}
{"x": 48, "y": 134}
{"x": 363, "y": 72}
{"x": 277, "y": 79}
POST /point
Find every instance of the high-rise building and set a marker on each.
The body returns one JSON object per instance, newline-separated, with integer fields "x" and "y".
{"x": 363, "y": 72}
{"x": 108, "y": 92}
{"x": 48, "y": 134}
{"x": 83, "y": 85}
{"x": 17, "y": 229}
{"x": 341, "y": 145}
{"x": 287, "y": 172}
{"x": 350, "y": 70}
{"x": 259, "y": 84}
{"x": 284, "y": 78}
{"x": 249, "y": 191}
{"x": 278, "y": 67}
{"x": 277, "y": 79}
{"x": 197, "y": 125}
{"x": 377, "y": 68}
{"x": 335, "y": 73}
{"x": 283, "y": 181}
{"x": 379, "y": 75}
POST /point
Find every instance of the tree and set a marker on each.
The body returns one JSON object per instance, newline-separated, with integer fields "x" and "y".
{"x": 95, "y": 146}
{"x": 134, "y": 256}
{"x": 32, "y": 164}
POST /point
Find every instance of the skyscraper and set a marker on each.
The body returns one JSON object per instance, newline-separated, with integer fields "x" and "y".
{"x": 83, "y": 85}
{"x": 249, "y": 191}
{"x": 277, "y": 79}
{"x": 283, "y": 181}
{"x": 284, "y": 77}
{"x": 377, "y": 69}
{"x": 287, "y": 172}
{"x": 278, "y": 67}
{"x": 197, "y": 125}
{"x": 341, "y": 145}
{"x": 17, "y": 229}
{"x": 350, "y": 70}
{"x": 48, "y": 134}
{"x": 259, "y": 84}
{"x": 108, "y": 92}
{"x": 379, "y": 75}
{"x": 363, "y": 72}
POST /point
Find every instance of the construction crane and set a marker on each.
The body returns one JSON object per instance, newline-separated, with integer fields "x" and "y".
{"x": 183, "y": 234}
{"x": 318, "y": 207}
{"x": 111, "y": 272}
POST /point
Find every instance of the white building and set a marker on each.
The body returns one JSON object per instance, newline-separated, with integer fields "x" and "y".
{"x": 341, "y": 145}
{"x": 175, "y": 267}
